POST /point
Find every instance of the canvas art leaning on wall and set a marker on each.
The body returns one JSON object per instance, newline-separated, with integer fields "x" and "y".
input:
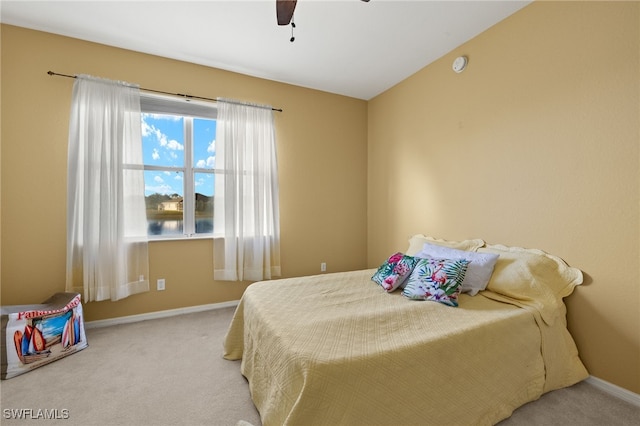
{"x": 35, "y": 335}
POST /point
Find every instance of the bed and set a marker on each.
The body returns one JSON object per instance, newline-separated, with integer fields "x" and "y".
{"x": 337, "y": 349}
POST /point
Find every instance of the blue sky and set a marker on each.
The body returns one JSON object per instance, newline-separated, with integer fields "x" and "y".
{"x": 163, "y": 145}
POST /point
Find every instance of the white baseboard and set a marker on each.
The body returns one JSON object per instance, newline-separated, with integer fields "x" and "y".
{"x": 158, "y": 314}
{"x": 614, "y": 390}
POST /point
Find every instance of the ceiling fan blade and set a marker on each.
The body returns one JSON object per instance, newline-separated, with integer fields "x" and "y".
{"x": 284, "y": 11}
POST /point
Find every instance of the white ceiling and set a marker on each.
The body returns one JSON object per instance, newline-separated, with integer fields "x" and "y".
{"x": 347, "y": 47}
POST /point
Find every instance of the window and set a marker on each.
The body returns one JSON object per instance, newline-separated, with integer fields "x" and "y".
{"x": 178, "y": 145}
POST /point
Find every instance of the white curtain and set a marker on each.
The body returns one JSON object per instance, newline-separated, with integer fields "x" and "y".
{"x": 246, "y": 211}
{"x": 107, "y": 251}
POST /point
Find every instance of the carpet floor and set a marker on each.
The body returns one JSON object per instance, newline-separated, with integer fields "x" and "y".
{"x": 170, "y": 371}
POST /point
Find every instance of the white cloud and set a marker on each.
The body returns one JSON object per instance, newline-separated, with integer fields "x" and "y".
{"x": 146, "y": 128}
{"x": 151, "y": 130}
{"x": 155, "y": 155}
{"x": 161, "y": 138}
{"x": 161, "y": 116}
{"x": 158, "y": 179}
{"x": 212, "y": 146}
{"x": 209, "y": 163}
{"x": 172, "y": 144}
{"x": 178, "y": 176}
{"x": 159, "y": 189}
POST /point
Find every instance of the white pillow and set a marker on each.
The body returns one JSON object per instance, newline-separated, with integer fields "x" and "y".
{"x": 416, "y": 242}
{"x": 479, "y": 269}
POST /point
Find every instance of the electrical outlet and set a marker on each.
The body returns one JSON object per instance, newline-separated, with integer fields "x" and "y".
{"x": 161, "y": 284}
{"x": 323, "y": 267}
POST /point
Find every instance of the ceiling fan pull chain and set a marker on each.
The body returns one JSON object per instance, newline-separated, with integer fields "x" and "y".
{"x": 293, "y": 25}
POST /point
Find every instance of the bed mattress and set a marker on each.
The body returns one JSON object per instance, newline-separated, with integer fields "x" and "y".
{"x": 337, "y": 349}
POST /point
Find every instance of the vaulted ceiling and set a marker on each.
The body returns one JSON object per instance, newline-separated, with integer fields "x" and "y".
{"x": 348, "y": 47}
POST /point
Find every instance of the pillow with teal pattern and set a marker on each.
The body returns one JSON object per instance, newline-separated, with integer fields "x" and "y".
{"x": 479, "y": 270}
{"x": 437, "y": 280}
{"x": 394, "y": 271}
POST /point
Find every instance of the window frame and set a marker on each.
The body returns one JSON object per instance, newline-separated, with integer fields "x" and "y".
{"x": 189, "y": 110}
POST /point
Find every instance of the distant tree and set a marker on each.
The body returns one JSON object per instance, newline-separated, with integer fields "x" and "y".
{"x": 204, "y": 203}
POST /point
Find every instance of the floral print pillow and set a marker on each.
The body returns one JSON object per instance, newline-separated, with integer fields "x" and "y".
{"x": 392, "y": 273}
{"x": 437, "y": 280}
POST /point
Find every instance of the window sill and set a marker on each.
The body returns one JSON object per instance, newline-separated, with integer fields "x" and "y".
{"x": 181, "y": 238}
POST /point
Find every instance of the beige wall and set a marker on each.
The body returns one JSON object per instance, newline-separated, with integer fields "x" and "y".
{"x": 321, "y": 140}
{"x": 535, "y": 144}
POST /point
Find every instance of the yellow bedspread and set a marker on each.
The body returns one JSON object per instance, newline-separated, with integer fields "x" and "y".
{"x": 336, "y": 349}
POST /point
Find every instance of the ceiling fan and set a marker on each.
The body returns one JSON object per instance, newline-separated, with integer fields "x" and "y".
{"x": 285, "y": 9}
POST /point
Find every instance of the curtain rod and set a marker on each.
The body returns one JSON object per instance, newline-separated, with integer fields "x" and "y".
{"x": 187, "y": 97}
